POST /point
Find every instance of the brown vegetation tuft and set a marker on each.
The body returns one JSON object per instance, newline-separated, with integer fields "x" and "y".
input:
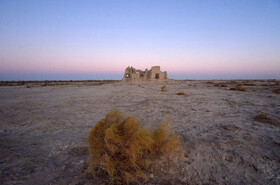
{"x": 238, "y": 88}
{"x": 221, "y": 85}
{"x": 180, "y": 93}
{"x": 249, "y": 84}
{"x": 163, "y": 88}
{"x": 232, "y": 82}
{"x": 122, "y": 148}
{"x": 164, "y": 142}
{"x": 28, "y": 86}
{"x": 261, "y": 116}
{"x": 277, "y": 91}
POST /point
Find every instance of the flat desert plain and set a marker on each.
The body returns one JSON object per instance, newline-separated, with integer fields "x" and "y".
{"x": 44, "y": 130}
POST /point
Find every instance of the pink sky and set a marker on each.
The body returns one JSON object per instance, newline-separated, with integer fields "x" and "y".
{"x": 183, "y": 37}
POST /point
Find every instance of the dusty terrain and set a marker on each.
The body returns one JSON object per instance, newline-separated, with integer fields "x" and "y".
{"x": 44, "y": 129}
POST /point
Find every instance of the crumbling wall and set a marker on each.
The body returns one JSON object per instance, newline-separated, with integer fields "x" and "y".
{"x": 135, "y": 75}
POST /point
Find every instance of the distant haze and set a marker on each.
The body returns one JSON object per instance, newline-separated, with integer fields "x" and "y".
{"x": 84, "y": 40}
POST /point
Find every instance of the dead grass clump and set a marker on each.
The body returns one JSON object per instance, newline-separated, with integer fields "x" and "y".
{"x": 277, "y": 91}
{"x": 264, "y": 118}
{"x": 192, "y": 85}
{"x": 249, "y": 84}
{"x": 98, "y": 83}
{"x": 122, "y": 148}
{"x": 163, "y": 88}
{"x": 209, "y": 82}
{"x": 28, "y": 86}
{"x": 164, "y": 142}
{"x": 180, "y": 93}
{"x": 261, "y": 116}
{"x": 238, "y": 88}
{"x": 221, "y": 85}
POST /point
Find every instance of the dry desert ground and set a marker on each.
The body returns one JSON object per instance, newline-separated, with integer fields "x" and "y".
{"x": 44, "y": 130}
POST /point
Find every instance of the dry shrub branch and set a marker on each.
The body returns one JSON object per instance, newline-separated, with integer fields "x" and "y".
{"x": 123, "y": 148}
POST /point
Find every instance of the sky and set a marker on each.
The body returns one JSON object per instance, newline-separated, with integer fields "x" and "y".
{"x": 83, "y": 40}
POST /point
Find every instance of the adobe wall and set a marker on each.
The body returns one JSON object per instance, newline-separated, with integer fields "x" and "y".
{"x": 135, "y": 75}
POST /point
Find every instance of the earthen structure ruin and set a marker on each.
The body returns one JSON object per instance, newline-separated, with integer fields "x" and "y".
{"x": 135, "y": 75}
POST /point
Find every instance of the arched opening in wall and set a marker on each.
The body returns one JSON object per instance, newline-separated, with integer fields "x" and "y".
{"x": 157, "y": 76}
{"x": 127, "y": 76}
{"x": 141, "y": 75}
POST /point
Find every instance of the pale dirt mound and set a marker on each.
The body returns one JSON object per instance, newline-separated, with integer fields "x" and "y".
{"x": 44, "y": 129}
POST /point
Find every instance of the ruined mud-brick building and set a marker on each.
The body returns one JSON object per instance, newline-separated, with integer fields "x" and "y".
{"x": 135, "y": 75}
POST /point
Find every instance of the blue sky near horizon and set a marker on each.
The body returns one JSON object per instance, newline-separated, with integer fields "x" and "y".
{"x": 44, "y": 40}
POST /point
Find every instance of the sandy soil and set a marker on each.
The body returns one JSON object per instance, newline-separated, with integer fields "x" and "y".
{"x": 43, "y": 130}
